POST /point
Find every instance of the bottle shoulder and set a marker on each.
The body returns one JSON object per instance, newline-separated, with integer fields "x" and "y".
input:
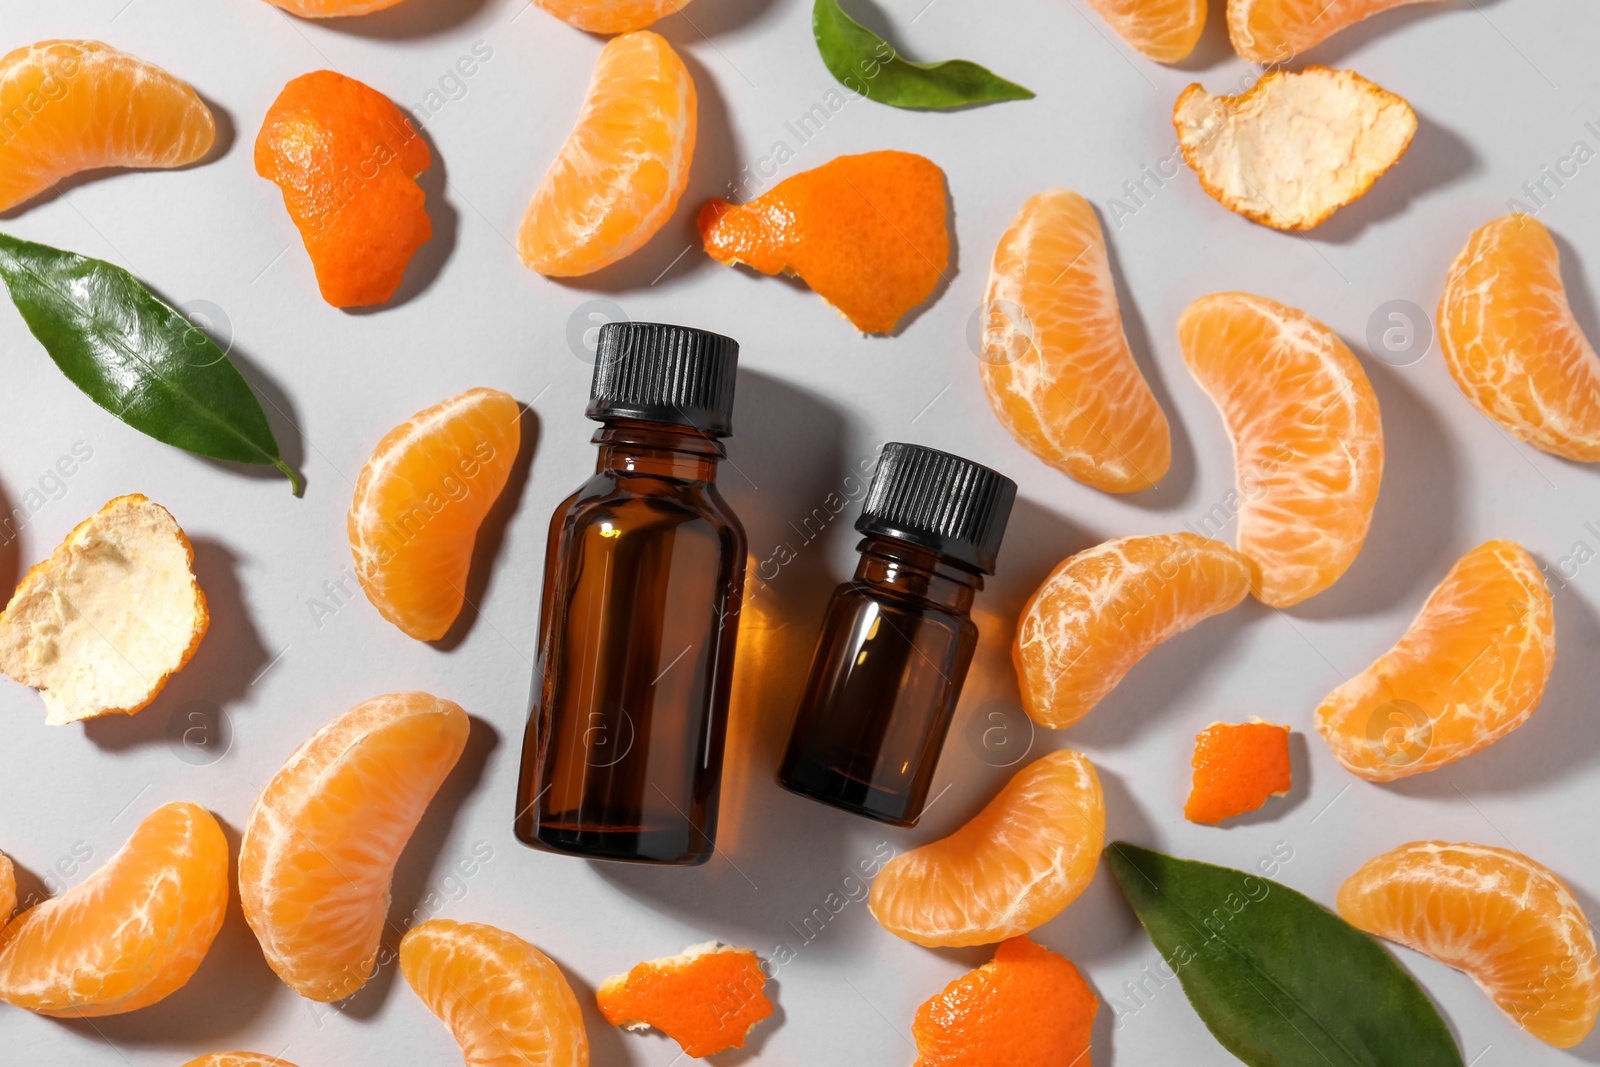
{"x": 646, "y": 500}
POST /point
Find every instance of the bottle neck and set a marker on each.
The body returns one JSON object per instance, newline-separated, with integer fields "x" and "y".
{"x": 657, "y": 449}
{"x": 895, "y": 566}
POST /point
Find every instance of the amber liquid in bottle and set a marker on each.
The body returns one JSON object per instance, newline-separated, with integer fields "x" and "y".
{"x": 894, "y": 651}
{"x": 644, "y": 576}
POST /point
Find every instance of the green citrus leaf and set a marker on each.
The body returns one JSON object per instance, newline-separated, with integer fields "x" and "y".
{"x": 137, "y": 356}
{"x": 1278, "y": 979}
{"x": 867, "y": 64}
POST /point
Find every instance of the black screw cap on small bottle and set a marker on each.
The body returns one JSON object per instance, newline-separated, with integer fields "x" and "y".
{"x": 656, "y": 372}
{"x": 940, "y": 502}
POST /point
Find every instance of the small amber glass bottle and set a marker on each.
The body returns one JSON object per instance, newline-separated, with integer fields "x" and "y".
{"x": 644, "y": 573}
{"x": 898, "y": 638}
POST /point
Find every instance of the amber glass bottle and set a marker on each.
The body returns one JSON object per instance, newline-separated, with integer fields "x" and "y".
{"x": 644, "y": 572}
{"x": 898, "y": 638}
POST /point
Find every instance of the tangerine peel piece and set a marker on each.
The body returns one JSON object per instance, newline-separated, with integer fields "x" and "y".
{"x": 1238, "y": 766}
{"x": 707, "y": 998}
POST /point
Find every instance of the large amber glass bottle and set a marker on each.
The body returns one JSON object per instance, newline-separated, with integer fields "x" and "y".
{"x": 644, "y": 573}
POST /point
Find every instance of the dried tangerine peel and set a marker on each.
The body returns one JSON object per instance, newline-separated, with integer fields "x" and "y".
{"x": 1505, "y": 920}
{"x": 73, "y": 106}
{"x": 611, "y": 16}
{"x": 1471, "y": 668}
{"x": 1056, "y": 363}
{"x": 100, "y": 626}
{"x": 1512, "y": 344}
{"x": 1164, "y": 30}
{"x": 1296, "y": 147}
{"x": 868, "y": 233}
{"x": 346, "y": 159}
{"x": 1028, "y": 1007}
{"x": 707, "y": 999}
{"x": 1275, "y": 31}
{"x": 1237, "y": 767}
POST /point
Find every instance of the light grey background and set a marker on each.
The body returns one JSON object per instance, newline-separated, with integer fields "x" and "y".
{"x": 1503, "y": 88}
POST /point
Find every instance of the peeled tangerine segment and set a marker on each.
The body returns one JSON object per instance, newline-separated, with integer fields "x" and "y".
{"x": 1014, "y": 867}
{"x": 1164, "y": 30}
{"x": 1307, "y": 438}
{"x": 319, "y": 849}
{"x": 1237, "y": 767}
{"x": 506, "y": 1003}
{"x": 1296, "y": 147}
{"x": 327, "y": 9}
{"x": 868, "y": 233}
{"x": 610, "y": 16}
{"x": 1056, "y": 364}
{"x": 72, "y": 106}
{"x": 707, "y": 999}
{"x": 131, "y": 933}
{"x": 1027, "y": 1007}
{"x": 623, "y": 168}
{"x": 347, "y": 160}
{"x": 1508, "y": 922}
{"x": 238, "y": 1059}
{"x": 1101, "y": 611}
{"x": 8, "y": 889}
{"x": 419, "y": 502}
{"x": 100, "y": 626}
{"x": 1512, "y": 344}
{"x": 1275, "y": 31}
{"x": 1471, "y": 668}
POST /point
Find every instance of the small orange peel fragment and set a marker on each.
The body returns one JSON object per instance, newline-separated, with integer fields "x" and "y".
{"x": 1237, "y": 766}
{"x": 868, "y": 233}
{"x": 1296, "y": 147}
{"x": 707, "y": 999}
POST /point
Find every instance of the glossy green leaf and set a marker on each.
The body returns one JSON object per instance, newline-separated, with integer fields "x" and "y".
{"x": 866, "y": 64}
{"x": 137, "y": 356}
{"x": 1279, "y": 980}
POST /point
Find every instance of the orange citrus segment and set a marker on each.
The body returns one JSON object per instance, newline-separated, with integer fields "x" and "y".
{"x": 1269, "y": 154}
{"x": 1275, "y": 31}
{"x": 319, "y": 849}
{"x": 8, "y": 889}
{"x": 1471, "y": 668}
{"x": 1512, "y": 344}
{"x": 419, "y": 502}
{"x": 1237, "y": 766}
{"x": 1028, "y": 1007}
{"x": 347, "y": 160}
{"x": 707, "y": 999}
{"x": 328, "y": 9}
{"x": 1508, "y": 922}
{"x": 867, "y": 233}
{"x": 610, "y": 16}
{"x": 1307, "y": 440}
{"x": 72, "y": 106}
{"x": 131, "y": 933}
{"x": 623, "y": 168}
{"x": 1102, "y": 610}
{"x": 1056, "y": 364}
{"x": 1164, "y": 30}
{"x": 1015, "y": 866}
{"x": 503, "y": 999}
{"x": 238, "y": 1059}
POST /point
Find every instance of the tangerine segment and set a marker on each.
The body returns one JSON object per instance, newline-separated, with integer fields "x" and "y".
{"x": 1307, "y": 438}
{"x": 328, "y": 9}
{"x": 1296, "y": 147}
{"x": 1102, "y": 610}
{"x": 1015, "y": 866}
{"x": 1275, "y": 31}
{"x": 1164, "y": 30}
{"x": 503, "y": 999}
{"x": 319, "y": 849}
{"x": 622, "y": 170}
{"x": 1237, "y": 766}
{"x": 611, "y": 16}
{"x": 1056, "y": 364}
{"x": 867, "y": 233}
{"x": 129, "y": 934}
{"x": 707, "y": 999}
{"x": 72, "y": 106}
{"x": 1508, "y": 922}
{"x": 1028, "y": 1007}
{"x": 419, "y": 502}
{"x": 1471, "y": 668}
{"x": 8, "y": 889}
{"x": 347, "y": 160}
{"x": 1512, "y": 343}
{"x": 238, "y": 1059}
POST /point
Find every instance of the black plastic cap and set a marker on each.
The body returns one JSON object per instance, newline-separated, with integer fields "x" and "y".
{"x": 660, "y": 373}
{"x": 940, "y": 502}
